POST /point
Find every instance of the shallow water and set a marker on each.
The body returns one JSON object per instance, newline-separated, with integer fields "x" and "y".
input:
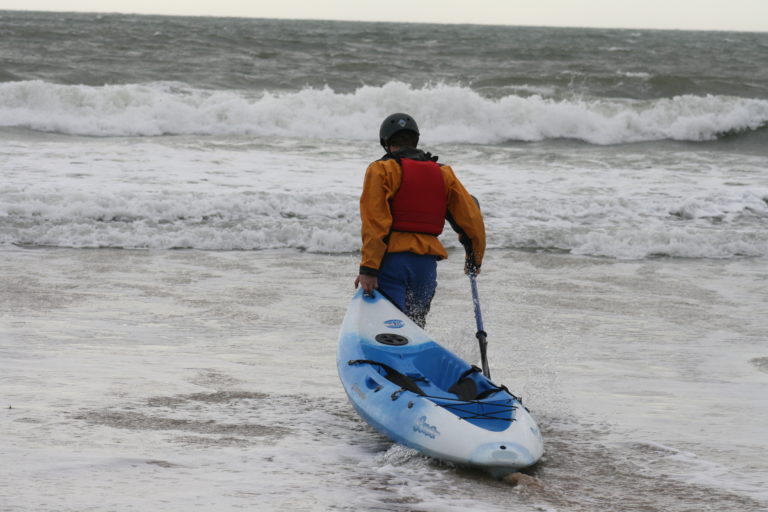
{"x": 182, "y": 380}
{"x": 189, "y": 362}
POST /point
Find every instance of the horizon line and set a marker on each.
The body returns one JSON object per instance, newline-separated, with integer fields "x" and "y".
{"x": 522, "y": 25}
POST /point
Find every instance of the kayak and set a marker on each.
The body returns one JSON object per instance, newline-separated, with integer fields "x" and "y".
{"x": 416, "y": 392}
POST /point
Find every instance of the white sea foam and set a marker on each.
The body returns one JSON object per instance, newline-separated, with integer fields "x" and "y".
{"x": 633, "y": 74}
{"x": 217, "y": 221}
{"x": 719, "y": 224}
{"x": 227, "y": 193}
{"x": 452, "y": 113}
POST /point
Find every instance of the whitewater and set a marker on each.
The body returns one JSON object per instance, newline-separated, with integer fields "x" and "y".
{"x": 221, "y": 193}
{"x": 179, "y": 234}
{"x": 459, "y": 114}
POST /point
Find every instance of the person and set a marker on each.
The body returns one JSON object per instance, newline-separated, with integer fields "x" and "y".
{"x": 406, "y": 199}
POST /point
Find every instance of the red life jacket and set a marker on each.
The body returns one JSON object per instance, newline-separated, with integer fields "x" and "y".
{"x": 420, "y": 204}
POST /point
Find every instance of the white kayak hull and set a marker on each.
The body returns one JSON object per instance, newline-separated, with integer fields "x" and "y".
{"x": 417, "y": 393}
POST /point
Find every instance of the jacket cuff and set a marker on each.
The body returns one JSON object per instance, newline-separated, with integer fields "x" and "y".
{"x": 368, "y": 271}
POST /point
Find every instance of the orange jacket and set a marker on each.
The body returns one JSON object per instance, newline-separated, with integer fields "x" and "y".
{"x": 382, "y": 179}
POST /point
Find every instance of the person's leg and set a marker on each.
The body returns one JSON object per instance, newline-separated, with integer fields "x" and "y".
{"x": 393, "y": 279}
{"x": 409, "y": 280}
{"x": 422, "y": 284}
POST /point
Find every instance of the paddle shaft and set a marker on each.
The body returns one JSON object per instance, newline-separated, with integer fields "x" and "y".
{"x": 481, "y": 334}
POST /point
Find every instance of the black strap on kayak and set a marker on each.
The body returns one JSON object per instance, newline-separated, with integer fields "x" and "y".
{"x": 466, "y": 388}
{"x": 404, "y": 381}
{"x": 491, "y": 410}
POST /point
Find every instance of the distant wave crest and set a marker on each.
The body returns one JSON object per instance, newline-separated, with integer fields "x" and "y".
{"x": 452, "y": 114}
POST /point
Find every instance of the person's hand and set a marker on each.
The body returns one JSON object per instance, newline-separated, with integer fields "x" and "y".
{"x": 470, "y": 268}
{"x": 368, "y": 283}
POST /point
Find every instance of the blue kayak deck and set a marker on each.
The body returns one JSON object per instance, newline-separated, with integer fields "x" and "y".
{"x": 433, "y": 372}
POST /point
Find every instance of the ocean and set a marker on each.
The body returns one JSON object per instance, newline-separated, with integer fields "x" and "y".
{"x": 179, "y": 237}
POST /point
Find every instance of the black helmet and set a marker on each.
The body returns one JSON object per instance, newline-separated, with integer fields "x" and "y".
{"x": 396, "y": 123}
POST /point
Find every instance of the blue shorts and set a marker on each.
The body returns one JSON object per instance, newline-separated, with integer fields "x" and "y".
{"x": 409, "y": 280}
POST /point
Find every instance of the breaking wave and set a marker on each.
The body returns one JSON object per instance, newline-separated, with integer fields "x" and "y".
{"x": 452, "y": 114}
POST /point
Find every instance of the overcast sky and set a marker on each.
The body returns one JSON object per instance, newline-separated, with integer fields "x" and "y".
{"x": 749, "y": 15}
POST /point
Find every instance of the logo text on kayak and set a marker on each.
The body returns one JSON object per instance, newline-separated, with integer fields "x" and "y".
{"x": 425, "y": 428}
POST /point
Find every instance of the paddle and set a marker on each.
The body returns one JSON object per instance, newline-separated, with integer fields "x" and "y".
{"x": 481, "y": 334}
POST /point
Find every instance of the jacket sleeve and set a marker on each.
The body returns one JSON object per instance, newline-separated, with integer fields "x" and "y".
{"x": 376, "y": 217}
{"x": 466, "y": 219}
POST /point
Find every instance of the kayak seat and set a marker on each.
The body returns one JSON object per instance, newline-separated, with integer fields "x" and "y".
{"x": 469, "y": 387}
{"x": 441, "y": 367}
{"x": 466, "y": 388}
